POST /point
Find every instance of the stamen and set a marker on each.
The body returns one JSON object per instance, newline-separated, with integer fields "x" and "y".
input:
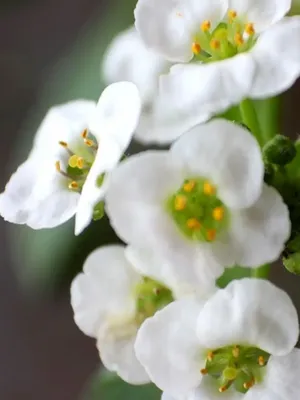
{"x": 223, "y": 388}
{"x": 208, "y": 188}
{"x": 57, "y": 166}
{"x": 249, "y": 29}
{"x": 218, "y": 213}
{"x": 232, "y": 15}
{"x": 73, "y": 185}
{"x": 211, "y": 235}
{"x": 63, "y": 144}
{"x": 193, "y": 223}
{"x": 84, "y": 134}
{"x": 238, "y": 38}
{"x": 236, "y": 352}
{"x": 215, "y": 44}
{"x": 210, "y": 356}
{"x": 189, "y": 186}
{"x": 80, "y": 162}
{"x": 205, "y": 26}
{"x": 196, "y": 48}
{"x": 180, "y": 203}
{"x": 89, "y": 142}
{"x": 204, "y": 371}
{"x": 249, "y": 385}
{"x": 261, "y": 361}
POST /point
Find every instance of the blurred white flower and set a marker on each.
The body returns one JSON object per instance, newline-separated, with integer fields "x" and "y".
{"x": 76, "y": 144}
{"x": 202, "y": 205}
{"x": 237, "y": 345}
{"x": 240, "y": 49}
{"x": 127, "y": 58}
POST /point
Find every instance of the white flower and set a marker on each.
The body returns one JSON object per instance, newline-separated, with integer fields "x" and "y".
{"x": 62, "y": 175}
{"x": 127, "y": 58}
{"x": 111, "y": 299}
{"x": 202, "y": 205}
{"x": 241, "y": 340}
{"x": 239, "y": 48}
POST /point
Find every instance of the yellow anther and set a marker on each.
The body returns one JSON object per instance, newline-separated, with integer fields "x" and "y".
{"x": 223, "y": 389}
{"x": 238, "y": 39}
{"x": 73, "y": 185}
{"x": 196, "y": 48}
{"x": 215, "y": 44}
{"x": 193, "y": 223}
{"x": 249, "y": 29}
{"x": 80, "y": 162}
{"x": 73, "y": 161}
{"x": 63, "y": 144}
{"x": 204, "y": 371}
{"x": 57, "y": 166}
{"x": 250, "y": 384}
{"x": 189, "y": 186}
{"x": 180, "y": 203}
{"x": 235, "y": 352}
{"x": 89, "y": 142}
{"x": 205, "y": 26}
{"x": 210, "y": 356}
{"x": 261, "y": 361}
{"x": 84, "y": 134}
{"x": 232, "y": 15}
{"x": 211, "y": 234}
{"x": 218, "y": 213}
{"x": 208, "y": 189}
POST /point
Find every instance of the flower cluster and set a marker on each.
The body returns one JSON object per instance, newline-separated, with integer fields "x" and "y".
{"x": 223, "y": 195}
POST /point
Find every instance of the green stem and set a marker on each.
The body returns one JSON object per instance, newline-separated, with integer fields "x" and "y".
{"x": 250, "y": 119}
{"x": 261, "y": 272}
{"x": 269, "y": 115}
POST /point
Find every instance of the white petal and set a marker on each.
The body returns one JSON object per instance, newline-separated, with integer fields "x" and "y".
{"x": 209, "y": 390}
{"x": 277, "y": 58}
{"x": 281, "y": 381}
{"x": 168, "y": 27}
{"x": 104, "y": 289}
{"x": 128, "y": 59}
{"x": 117, "y": 114}
{"x": 249, "y": 311}
{"x": 228, "y": 155}
{"x": 262, "y": 13}
{"x": 167, "y": 347}
{"x": 118, "y": 355}
{"x": 206, "y": 89}
{"x": 257, "y": 235}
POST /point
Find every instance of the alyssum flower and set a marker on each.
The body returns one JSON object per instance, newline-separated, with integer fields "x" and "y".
{"x": 113, "y": 297}
{"x": 128, "y": 58}
{"x": 239, "y": 48}
{"x": 203, "y": 203}
{"x": 76, "y": 146}
{"x": 237, "y": 345}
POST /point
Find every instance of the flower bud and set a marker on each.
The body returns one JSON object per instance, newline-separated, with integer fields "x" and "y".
{"x": 279, "y": 151}
{"x": 292, "y": 263}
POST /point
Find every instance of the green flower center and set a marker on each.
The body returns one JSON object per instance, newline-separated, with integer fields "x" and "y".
{"x": 151, "y": 296}
{"x": 240, "y": 367}
{"x": 197, "y": 211}
{"x": 231, "y": 37}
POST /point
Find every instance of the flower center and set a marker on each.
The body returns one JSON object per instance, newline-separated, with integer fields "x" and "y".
{"x": 151, "y": 296}
{"x": 240, "y": 367}
{"x": 230, "y": 37}
{"x": 197, "y": 211}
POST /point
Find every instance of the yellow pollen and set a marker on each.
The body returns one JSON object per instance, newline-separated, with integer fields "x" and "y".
{"x": 261, "y": 361}
{"x": 193, "y": 223}
{"x": 89, "y": 142}
{"x": 215, "y": 44}
{"x": 80, "y": 162}
{"x": 236, "y": 352}
{"x": 57, "y": 166}
{"x": 210, "y": 356}
{"x": 73, "y": 160}
{"x": 63, "y": 144}
{"x": 189, "y": 186}
{"x": 218, "y": 213}
{"x": 223, "y": 389}
{"x": 73, "y": 185}
{"x": 196, "y": 48}
{"x": 204, "y": 371}
{"x": 209, "y": 189}
{"x": 205, "y": 26}
{"x": 248, "y": 385}
{"x": 238, "y": 38}
{"x": 84, "y": 134}
{"x": 249, "y": 29}
{"x": 180, "y": 203}
{"x": 232, "y": 15}
{"x": 211, "y": 234}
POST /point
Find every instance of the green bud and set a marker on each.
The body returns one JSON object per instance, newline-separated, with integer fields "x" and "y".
{"x": 279, "y": 151}
{"x": 292, "y": 263}
{"x": 269, "y": 173}
{"x": 98, "y": 211}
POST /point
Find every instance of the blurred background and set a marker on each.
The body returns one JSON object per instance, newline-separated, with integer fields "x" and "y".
{"x": 50, "y": 53}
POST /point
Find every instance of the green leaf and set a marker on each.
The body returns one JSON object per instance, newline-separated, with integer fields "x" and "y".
{"x": 105, "y": 385}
